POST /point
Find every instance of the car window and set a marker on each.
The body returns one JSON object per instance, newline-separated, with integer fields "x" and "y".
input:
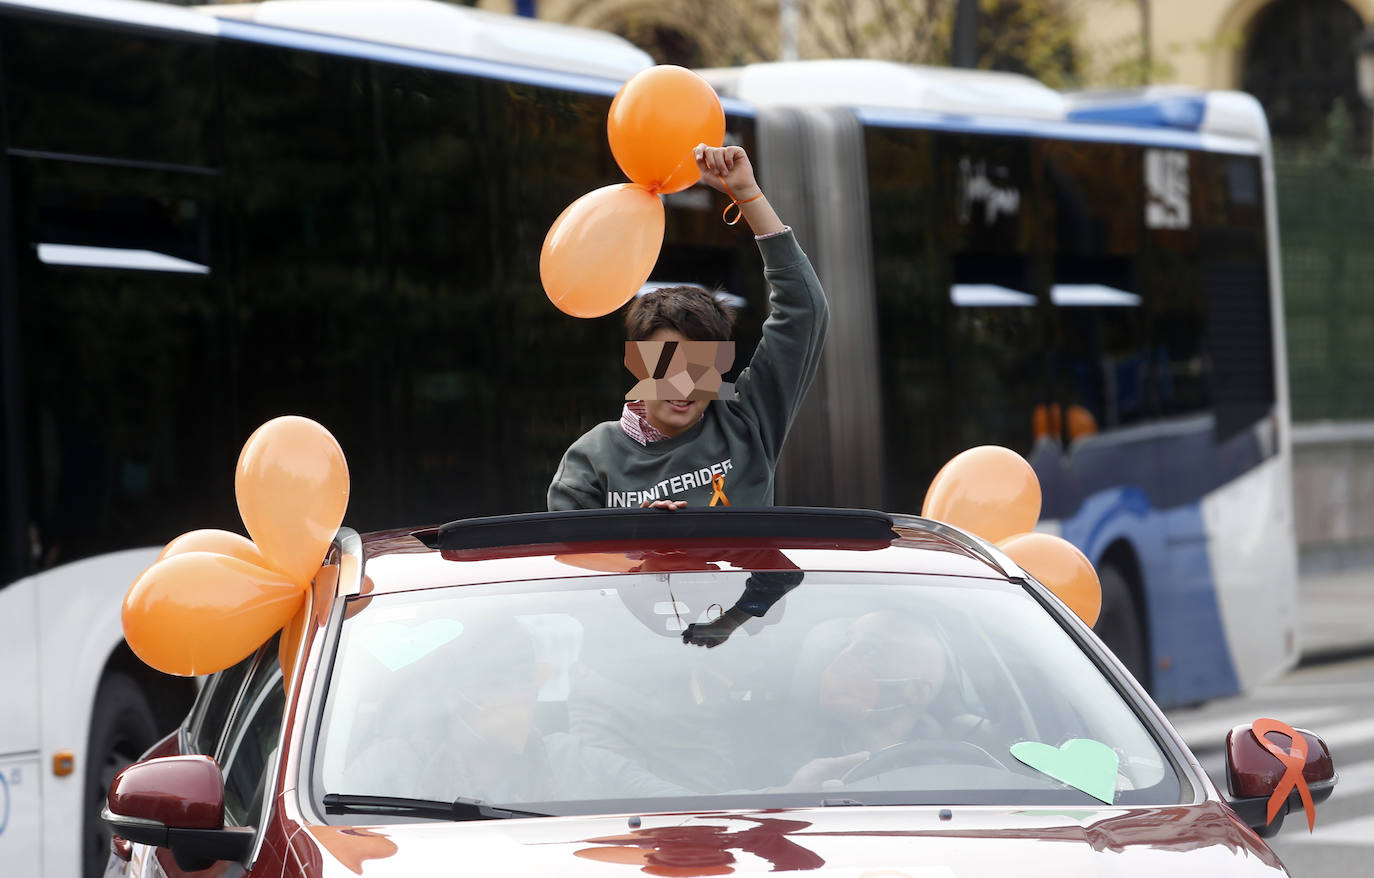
{"x": 583, "y": 695}
{"x": 251, "y": 740}
{"x": 215, "y": 701}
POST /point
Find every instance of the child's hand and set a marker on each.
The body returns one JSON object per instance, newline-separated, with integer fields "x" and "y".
{"x": 729, "y": 164}
{"x": 664, "y": 504}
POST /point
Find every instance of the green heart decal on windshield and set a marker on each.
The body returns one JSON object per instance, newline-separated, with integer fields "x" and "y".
{"x": 1082, "y": 763}
{"x": 396, "y": 644}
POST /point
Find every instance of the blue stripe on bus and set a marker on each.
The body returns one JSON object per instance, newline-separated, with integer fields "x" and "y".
{"x": 1183, "y": 113}
{"x": 1182, "y": 613}
{"x": 1046, "y": 129}
{"x": 248, "y": 32}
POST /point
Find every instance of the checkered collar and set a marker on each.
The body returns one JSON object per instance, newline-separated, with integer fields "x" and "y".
{"x": 636, "y": 425}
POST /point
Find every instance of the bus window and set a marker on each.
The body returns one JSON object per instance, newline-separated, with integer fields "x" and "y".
{"x": 1104, "y": 361}
{"x": 110, "y": 92}
{"x": 127, "y": 412}
{"x": 1235, "y": 284}
{"x": 954, "y": 242}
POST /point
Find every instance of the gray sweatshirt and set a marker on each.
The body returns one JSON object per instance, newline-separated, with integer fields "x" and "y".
{"x": 738, "y": 440}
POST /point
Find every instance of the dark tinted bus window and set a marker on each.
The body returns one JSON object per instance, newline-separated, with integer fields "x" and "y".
{"x": 1102, "y": 360}
{"x": 108, "y": 91}
{"x": 1171, "y": 283}
{"x": 307, "y": 210}
{"x": 957, "y": 277}
{"x": 1235, "y": 281}
{"x": 1055, "y": 289}
{"x": 128, "y": 413}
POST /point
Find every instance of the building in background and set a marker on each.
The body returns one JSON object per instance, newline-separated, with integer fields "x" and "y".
{"x": 1297, "y": 56}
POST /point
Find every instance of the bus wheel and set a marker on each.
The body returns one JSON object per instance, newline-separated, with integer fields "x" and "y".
{"x": 122, "y": 729}
{"x": 1119, "y": 624}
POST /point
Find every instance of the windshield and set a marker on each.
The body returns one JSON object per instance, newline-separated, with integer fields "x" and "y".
{"x": 726, "y": 689}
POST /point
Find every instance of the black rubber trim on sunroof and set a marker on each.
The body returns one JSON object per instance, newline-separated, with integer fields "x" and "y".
{"x": 614, "y": 525}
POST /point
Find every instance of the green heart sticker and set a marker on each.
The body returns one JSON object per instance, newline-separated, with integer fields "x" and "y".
{"x": 396, "y": 645}
{"x": 1082, "y": 763}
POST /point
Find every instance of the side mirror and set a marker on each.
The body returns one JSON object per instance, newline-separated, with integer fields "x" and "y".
{"x": 1254, "y": 774}
{"x": 176, "y": 802}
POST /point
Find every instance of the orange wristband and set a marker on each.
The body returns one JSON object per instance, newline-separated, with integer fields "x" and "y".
{"x": 725, "y": 214}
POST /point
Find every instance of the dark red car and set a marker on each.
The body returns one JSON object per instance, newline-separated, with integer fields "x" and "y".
{"x": 688, "y": 693}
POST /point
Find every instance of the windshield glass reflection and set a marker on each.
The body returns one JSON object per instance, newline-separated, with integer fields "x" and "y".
{"x": 722, "y": 689}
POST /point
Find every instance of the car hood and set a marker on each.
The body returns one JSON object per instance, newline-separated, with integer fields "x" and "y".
{"x": 875, "y": 841}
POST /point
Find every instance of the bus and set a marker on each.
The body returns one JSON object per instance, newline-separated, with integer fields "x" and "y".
{"x": 211, "y": 217}
{"x": 1090, "y": 279}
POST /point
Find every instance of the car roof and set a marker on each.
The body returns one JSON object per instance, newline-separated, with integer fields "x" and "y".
{"x": 609, "y": 542}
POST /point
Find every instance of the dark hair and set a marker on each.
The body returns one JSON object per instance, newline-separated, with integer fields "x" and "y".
{"x": 690, "y": 310}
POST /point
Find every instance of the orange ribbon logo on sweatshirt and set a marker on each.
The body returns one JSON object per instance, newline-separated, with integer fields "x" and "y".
{"x": 1293, "y": 759}
{"x": 718, "y": 491}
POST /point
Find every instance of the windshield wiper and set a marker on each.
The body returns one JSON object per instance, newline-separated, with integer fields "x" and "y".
{"x": 461, "y": 808}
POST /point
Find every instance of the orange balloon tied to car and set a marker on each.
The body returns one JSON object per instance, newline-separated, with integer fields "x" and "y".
{"x": 656, "y": 119}
{"x": 201, "y": 612}
{"x": 600, "y": 250}
{"x": 292, "y": 489}
{"x": 1061, "y": 568}
{"x": 221, "y": 541}
{"x": 989, "y": 490}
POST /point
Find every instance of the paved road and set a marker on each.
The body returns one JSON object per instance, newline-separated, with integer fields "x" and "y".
{"x": 1336, "y": 701}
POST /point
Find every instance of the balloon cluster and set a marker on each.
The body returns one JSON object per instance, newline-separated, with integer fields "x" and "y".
{"x": 603, "y": 246}
{"x": 213, "y": 597}
{"x": 992, "y": 492}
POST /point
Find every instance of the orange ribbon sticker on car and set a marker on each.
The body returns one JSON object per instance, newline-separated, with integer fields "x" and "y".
{"x": 718, "y": 490}
{"x": 1294, "y": 757}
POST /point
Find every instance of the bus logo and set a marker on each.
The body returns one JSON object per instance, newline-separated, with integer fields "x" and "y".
{"x": 1166, "y": 189}
{"x": 976, "y": 186}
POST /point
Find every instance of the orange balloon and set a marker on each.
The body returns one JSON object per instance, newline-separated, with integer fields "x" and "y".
{"x": 600, "y": 250}
{"x": 930, "y": 492}
{"x": 989, "y": 490}
{"x": 1061, "y": 568}
{"x": 657, "y": 119}
{"x": 292, "y": 490}
{"x": 201, "y": 612}
{"x": 222, "y": 542}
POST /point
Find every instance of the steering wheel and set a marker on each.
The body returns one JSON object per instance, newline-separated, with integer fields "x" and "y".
{"x": 928, "y": 752}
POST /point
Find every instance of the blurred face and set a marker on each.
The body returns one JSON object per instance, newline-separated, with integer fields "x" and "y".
{"x": 498, "y": 707}
{"x": 682, "y": 379}
{"x": 883, "y": 668}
